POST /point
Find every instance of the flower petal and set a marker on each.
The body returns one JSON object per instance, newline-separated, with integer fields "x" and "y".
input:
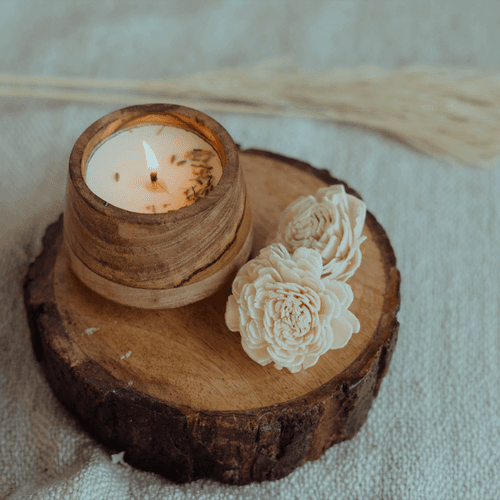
{"x": 232, "y": 315}
{"x": 309, "y": 260}
{"x": 342, "y": 332}
{"x": 287, "y": 275}
{"x": 349, "y": 316}
{"x": 259, "y": 355}
{"x": 310, "y": 361}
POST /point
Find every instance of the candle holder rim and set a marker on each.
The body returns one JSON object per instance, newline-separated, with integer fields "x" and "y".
{"x": 229, "y": 163}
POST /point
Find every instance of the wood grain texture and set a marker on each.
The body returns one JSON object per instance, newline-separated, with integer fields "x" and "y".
{"x": 152, "y": 298}
{"x": 174, "y": 388}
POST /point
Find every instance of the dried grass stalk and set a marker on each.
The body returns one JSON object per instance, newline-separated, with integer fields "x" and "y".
{"x": 449, "y": 113}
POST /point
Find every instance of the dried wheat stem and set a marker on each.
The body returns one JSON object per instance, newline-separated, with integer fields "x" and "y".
{"x": 449, "y": 113}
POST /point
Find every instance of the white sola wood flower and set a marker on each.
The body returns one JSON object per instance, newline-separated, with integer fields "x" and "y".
{"x": 285, "y": 312}
{"x": 330, "y": 222}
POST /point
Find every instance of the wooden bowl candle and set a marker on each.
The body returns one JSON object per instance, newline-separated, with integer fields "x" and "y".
{"x": 157, "y": 214}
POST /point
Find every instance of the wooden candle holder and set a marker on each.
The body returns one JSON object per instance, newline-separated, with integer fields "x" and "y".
{"x": 164, "y": 260}
{"x": 174, "y": 389}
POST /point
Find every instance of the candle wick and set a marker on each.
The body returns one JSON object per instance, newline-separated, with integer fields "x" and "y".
{"x": 154, "y": 180}
{"x": 155, "y": 183}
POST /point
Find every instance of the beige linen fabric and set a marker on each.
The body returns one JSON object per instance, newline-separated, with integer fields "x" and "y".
{"x": 434, "y": 430}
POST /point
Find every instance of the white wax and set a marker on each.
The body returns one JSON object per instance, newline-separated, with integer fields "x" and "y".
{"x": 119, "y": 169}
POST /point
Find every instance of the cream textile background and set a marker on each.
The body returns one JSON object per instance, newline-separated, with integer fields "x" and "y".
{"x": 434, "y": 430}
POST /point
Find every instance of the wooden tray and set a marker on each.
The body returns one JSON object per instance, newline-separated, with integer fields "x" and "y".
{"x": 174, "y": 389}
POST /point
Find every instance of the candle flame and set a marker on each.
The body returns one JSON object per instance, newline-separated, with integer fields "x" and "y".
{"x": 151, "y": 160}
{"x": 152, "y": 164}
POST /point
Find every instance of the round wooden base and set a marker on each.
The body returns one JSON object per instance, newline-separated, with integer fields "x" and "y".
{"x": 174, "y": 389}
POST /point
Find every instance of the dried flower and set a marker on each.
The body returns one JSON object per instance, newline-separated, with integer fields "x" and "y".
{"x": 285, "y": 312}
{"x": 330, "y": 222}
{"x": 203, "y": 179}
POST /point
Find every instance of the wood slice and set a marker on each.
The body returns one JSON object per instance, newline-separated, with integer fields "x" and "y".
{"x": 174, "y": 389}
